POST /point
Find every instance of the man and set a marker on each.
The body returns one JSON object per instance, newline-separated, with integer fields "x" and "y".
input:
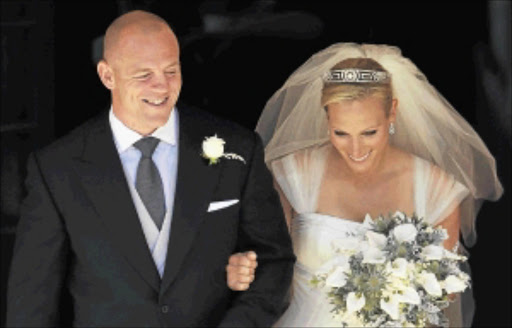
{"x": 134, "y": 215}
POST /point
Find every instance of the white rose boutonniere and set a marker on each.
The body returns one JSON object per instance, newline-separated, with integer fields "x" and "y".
{"x": 213, "y": 150}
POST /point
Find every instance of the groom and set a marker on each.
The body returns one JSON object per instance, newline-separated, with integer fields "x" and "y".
{"x": 133, "y": 217}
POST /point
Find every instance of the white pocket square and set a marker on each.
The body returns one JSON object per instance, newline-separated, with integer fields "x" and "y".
{"x": 215, "y": 206}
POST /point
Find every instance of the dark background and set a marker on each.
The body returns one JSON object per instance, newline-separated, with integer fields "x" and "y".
{"x": 235, "y": 54}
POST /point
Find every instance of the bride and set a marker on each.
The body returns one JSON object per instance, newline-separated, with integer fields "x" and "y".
{"x": 358, "y": 129}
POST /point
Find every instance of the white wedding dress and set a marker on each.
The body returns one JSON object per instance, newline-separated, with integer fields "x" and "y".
{"x": 299, "y": 176}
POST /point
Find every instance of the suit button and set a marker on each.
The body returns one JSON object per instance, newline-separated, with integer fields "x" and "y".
{"x": 165, "y": 309}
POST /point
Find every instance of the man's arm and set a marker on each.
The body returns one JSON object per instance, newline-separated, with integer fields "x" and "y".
{"x": 262, "y": 229}
{"x": 38, "y": 266}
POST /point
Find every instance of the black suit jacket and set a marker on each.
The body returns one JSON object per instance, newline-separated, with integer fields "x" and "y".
{"x": 79, "y": 234}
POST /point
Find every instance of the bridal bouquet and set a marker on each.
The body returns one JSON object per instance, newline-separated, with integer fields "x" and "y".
{"x": 395, "y": 273}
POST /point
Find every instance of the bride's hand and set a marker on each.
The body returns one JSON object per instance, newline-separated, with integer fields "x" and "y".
{"x": 240, "y": 270}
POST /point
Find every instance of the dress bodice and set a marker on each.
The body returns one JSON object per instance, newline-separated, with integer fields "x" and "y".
{"x": 313, "y": 235}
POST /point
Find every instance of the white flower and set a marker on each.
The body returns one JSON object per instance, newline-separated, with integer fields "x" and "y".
{"x": 331, "y": 265}
{"x": 409, "y": 295}
{"x": 433, "y": 252}
{"x": 400, "y": 215}
{"x": 376, "y": 239}
{"x": 348, "y": 245}
{"x": 394, "y": 284}
{"x": 453, "y": 284}
{"x": 391, "y": 307}
{"x": 444, "y": 233}
{"x": 368, "y": 222}
{"x": 464, "y": 277}
{"x": 398, "y": 268}
{"x": 352, "y": 319}
{"x": 453, "y": 256}
{"x": 404, "y": 285}
{"x": 213, "y": 150}
{"x": 429, "y": 281}
{"x": 355, "y": 303}
{"x": 407, "y": 324}
{"x": 405, "y": 232}
{"x": 337, "y": 278}
{"x": 374, "y": 255}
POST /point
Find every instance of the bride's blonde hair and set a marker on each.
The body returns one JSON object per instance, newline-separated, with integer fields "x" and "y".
{"x": 333, "y": 92}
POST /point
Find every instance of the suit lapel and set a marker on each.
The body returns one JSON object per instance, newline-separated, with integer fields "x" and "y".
{"x": 103, "y": 178}
{"x": 194, "y": 187}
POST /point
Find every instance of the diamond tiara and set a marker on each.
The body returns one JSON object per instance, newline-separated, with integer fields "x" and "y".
{"x": 355, "y": 75}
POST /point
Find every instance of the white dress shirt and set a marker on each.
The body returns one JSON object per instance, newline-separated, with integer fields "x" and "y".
{"x": 165, "y": 157}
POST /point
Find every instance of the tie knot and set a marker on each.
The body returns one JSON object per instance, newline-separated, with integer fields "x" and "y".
{"x": 146, "y": 146}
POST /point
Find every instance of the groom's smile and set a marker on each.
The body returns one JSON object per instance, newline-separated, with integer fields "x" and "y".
{"x": 156, "y": 102}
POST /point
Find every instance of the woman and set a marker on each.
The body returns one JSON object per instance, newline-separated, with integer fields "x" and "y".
{"x": 358, "y": 129}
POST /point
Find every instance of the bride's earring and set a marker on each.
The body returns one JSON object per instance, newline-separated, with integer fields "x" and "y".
{"x": 391, "y": 128}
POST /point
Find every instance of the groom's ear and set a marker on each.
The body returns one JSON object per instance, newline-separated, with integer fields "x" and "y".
{"x": 106, "y": 74}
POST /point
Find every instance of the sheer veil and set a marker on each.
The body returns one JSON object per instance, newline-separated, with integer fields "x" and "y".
{"x": 427, "y": 125}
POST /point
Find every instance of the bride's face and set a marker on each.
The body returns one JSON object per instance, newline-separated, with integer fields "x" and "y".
{"x": 359, "y": 130}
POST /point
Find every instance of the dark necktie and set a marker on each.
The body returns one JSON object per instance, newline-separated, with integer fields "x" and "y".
{"x": 148, "y": 182}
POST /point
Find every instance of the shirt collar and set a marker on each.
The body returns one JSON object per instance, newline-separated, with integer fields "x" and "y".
{"x": 125, "y": 137}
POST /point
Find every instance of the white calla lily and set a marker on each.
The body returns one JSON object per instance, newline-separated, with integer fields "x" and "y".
{"x": 352, "y": 319}
{"x": 409, "y": 295}
{"x": 399, "y": 267}
{"x": 348, "y": 245}
{"x": 337, "y": 278}
{"x": 332, "y": 264}
{"x": 374, "y": 255}
{"x": 377, "y": 240}
{"x": 355, "y": 303}
{"x": 368, "y": 221}
{"x": 393, "y": 284}
{"x": 453, "y": 284}
{"x": 433, "y": 252}
{"x": 405, "y": 233}
{"x": 429, "y": 281}
{"x": 391, "y": 307}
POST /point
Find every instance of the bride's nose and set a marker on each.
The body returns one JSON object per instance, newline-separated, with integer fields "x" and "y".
{"x": 356, "y": 146}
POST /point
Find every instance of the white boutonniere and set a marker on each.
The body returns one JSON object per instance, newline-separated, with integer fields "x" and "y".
{"x": 213, "y": 150}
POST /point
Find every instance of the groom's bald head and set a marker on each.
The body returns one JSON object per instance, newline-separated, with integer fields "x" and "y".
{"x": 133, "y": 22}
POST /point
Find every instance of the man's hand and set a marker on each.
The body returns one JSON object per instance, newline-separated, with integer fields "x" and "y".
{"x": 241, "y": 270}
